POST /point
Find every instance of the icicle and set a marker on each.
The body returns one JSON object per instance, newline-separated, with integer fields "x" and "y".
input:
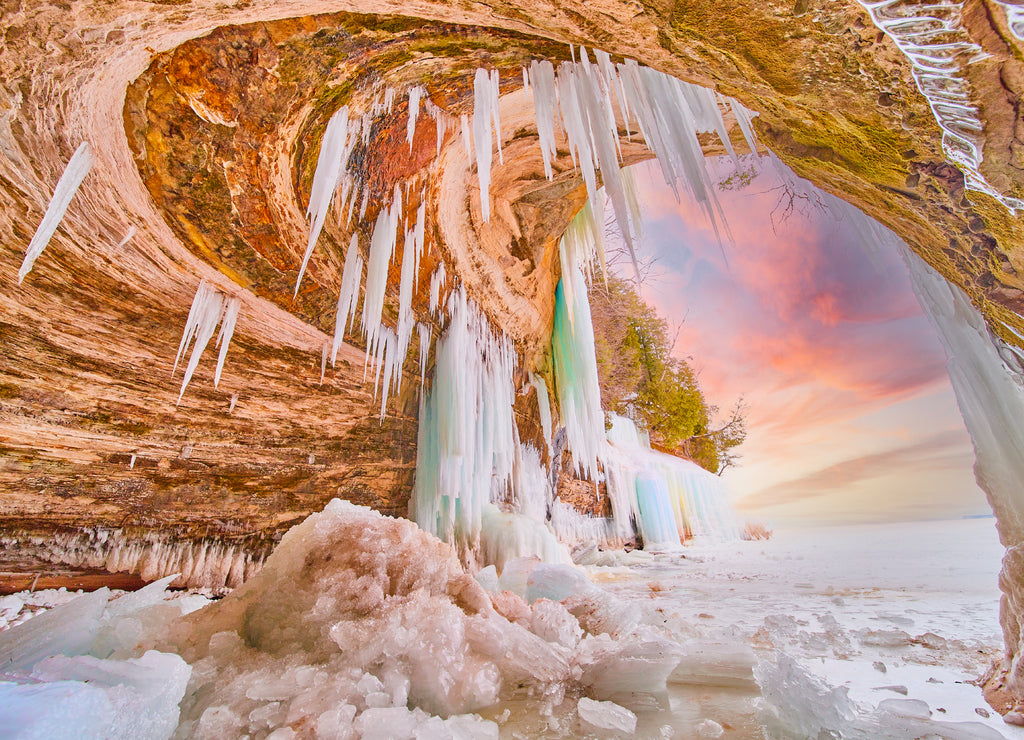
{"x": 127, "y": 238}
{"x": 743, "y": 117}
{"x": 526, "y": 79}
{"x": 207, "y": 307}
{"x": 325, "y": 352}
{"x": 348, "y": 297}
{"x": 467, "y": 137}
{"x": 437, "y": 281}
{"x": 467, "y": 435}
{"x": 329, "y": 167}
{"x": 406, "y": 320}
{"x": 131, "y": 463}
{"x": 382, "y": 249}
{"x": 415, "y": 94}
{"x": 78, "y": 167}
{"x": 389, "y": 98}
{"x": 495, "y": 108}
{"x": 233, "y": 403}
{"x": 544, "y": 91}
{"x": 482, "y": 102}
{"x": 575, "y": 361}
{"x": 227, "y": 330}
{"x": 424, "y": 331}
{"x": 544, "y": 405}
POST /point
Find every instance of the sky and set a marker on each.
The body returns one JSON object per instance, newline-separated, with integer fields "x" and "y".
{"x": 851, "y": 417}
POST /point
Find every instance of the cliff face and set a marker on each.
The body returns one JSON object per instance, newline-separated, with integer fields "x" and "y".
{"x": 206, "y": 120}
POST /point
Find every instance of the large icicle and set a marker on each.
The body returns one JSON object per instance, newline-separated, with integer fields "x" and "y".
{"x": 78, "y": 167}
{"x": 575, "y": 361}
{"x": 382, "y": 249}
{"x": 330, "y": 165}
{"x": 416, "y": 94}
{"x": 348, "y": 297}
{"x": 483, "y": 100}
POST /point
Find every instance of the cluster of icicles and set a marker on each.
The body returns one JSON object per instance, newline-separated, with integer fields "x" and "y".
{"x": 469, "y": 445}
{"x": 209, "y": 563}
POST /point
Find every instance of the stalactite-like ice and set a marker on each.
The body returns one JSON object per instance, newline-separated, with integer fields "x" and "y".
{"x": 437, "y": 281}
{"x": 467, "y": 436}
{"x": 484, "y": 100}
{"x": 544, "y": 405}
{"x": 330, "y": 164}
{"x": 78, "y": 167}
{"x": 382, "y": 249}
{"x": 227, "y": 330}
{"x": 206, "y": 311}
{"x": 348, "y": 296}
{"x": 573, "y": 353}
{"x": 416, "y": 94}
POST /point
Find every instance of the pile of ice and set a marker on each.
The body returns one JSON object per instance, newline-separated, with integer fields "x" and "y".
{"x": 364, "y": 625}
{"x": 80, "y": 670}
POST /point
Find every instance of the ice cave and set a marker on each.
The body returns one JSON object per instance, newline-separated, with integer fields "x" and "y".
{"x": 339, "y": 400}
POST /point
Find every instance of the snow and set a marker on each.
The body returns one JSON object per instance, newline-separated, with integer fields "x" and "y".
{"x": 78, "y": 167}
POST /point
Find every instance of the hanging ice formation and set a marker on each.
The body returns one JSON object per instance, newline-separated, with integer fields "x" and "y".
{"x": 467, "y": 435}
{"x": 209, "y": 307}
{"x": 668, "y": 498}
{"x": 78, "y": 167}
{"x": 335, "y": 148}
{"x": 668, "y": 114}
{"x": 932, "y": 37}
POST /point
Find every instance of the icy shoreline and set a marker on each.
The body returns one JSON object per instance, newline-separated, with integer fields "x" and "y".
{"x": 871, "y": 631}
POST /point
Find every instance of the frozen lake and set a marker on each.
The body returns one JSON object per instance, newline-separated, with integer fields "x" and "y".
{"x": 888, "y": 611}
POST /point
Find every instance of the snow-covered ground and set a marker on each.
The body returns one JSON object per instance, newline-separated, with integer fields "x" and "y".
{"x": 888, "y": 611}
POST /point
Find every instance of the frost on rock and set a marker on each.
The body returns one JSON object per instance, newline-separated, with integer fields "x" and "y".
{"x": 79, "y": 670}
{"x": 383, "y": 628}
{"x": 78, "y": 167}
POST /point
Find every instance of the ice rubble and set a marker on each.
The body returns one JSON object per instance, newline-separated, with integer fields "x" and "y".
{"x": 78, "y": 167}
{"x": 381, "y": 623}
{"x": 79, "y": 670}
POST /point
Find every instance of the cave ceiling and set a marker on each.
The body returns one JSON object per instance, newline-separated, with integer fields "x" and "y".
{"x": 206, "y": 120}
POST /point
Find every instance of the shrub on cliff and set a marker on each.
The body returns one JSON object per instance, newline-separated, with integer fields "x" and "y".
{"x": 641, "y": 378}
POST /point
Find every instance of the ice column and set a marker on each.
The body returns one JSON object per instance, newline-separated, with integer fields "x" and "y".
{"x": 78, "y": 167}
{"x": 467, "y": 438}
{"x": 575, "y": 361}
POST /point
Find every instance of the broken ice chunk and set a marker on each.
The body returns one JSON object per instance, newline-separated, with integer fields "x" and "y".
{"x": 605, "y": 716}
